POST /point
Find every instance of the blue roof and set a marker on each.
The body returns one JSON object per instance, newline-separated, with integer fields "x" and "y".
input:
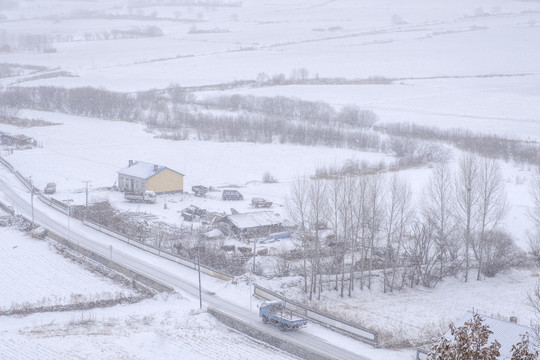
{"x": 143, "y": 170}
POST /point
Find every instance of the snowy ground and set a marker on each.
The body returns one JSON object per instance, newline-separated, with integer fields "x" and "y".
{"x": 50, "y": 280}
{"x": 470, "y": 64}
{"x": 424, "y": 315}
{"x": 161, "y": 327}
{"x": 418, "y": 315}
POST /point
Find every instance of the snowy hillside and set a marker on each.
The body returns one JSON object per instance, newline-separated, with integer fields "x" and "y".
{"x": 462, "y": 66}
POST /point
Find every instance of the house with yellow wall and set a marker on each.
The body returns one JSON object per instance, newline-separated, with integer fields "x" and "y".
{"x": 140, "y": 176}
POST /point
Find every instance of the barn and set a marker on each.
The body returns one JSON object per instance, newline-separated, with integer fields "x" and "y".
{"x": 258, "y": 223}
{"x": 140, "y": 176}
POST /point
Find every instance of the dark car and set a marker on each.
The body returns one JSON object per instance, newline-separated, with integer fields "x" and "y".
{"x": 50, "y": 188}
{"x": 231, "y": 195}
{"x": 260, "y": 202}
{"x": 199, "y": 190}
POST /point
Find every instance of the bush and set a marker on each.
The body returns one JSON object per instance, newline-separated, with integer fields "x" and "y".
{"x": 501, "y": 253}
{"x": 268, "y": 178}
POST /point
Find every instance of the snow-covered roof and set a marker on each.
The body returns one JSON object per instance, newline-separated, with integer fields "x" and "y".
{"x": 505, "y": 332}
{"x": 254, "y": 219}
{"x": 143, "y": 170}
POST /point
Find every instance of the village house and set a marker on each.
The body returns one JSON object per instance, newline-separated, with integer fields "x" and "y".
{"x": 140, "y": 176}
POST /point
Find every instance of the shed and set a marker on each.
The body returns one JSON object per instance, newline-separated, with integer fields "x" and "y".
{"x": 255, "y": 223}
{"x": 140, "y": 176}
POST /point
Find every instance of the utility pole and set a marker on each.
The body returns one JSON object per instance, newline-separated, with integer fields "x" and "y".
{"x": 86, "y": 181}
{"x": 199, "y": 268}
{"x": 32, "y": 201}
{"x": 69, "y": 215}
{"x": 254, "y": 255}
{"x": 198, "y": 264}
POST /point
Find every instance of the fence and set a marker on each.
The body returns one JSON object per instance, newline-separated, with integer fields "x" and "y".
{"x": 356, "y": 331}
{"x": 164, "y": 254}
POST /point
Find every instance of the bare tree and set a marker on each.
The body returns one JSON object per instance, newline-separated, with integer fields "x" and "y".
{"x": 298, "y": 208}
{"x": 7, "y": 112}
{"x": 533, "y": 300}
{"x": 354, "y": 116}
{"x": 375, "y": 218}
{"x": 534, "y": 190}
{"x": 398, "y": 215}
{"x": 299, "y": 74}
{"x": 359, "y": 229}
{"x": 420, "y": 256}
{"x": 467, "y": 197}
{"x": 437, "y": 208}
{"x": 335, "y": 210}
{"x": 317, "y": 215}
{"x": 349, "y": 228}
{"x": 534, "y": 214}
{"x": 492, "y": 206}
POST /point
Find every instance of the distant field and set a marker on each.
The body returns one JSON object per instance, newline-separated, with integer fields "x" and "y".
{"x": 470, "y": 64}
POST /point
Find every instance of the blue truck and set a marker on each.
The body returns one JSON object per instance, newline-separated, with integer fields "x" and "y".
{"x": 274, "y": 312}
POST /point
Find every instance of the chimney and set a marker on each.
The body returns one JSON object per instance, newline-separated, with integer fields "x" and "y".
{"x": 130, "y": 162}
{"x": 155, "y": 168}
{"x": 513, "y": 319}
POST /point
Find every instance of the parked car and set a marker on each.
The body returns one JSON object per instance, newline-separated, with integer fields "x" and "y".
{"x": 50, "y": 188}
{"x": 231, "y": 195}
{"x": 260, "y": 202}
{"x": 199, "y": 190}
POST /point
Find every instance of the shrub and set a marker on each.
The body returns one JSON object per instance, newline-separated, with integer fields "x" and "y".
{"x": 269, "y": 178}
{"x": 500, "y": 253}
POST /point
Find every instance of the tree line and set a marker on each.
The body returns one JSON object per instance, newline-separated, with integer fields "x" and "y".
{"x": 488, "y": 145}
{"x": 355, "y": 229}
{"x": 175, "y": 113}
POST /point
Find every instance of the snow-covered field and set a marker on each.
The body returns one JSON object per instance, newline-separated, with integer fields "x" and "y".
{"x": 163, "y": 327}
{"x": 34, "y": 275}
{"x": 475, "y": 62}
{"x": 37, "y": 276}
{"x": 470, "y": 64}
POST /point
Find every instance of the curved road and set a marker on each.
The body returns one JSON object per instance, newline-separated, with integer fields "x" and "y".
{"x": 182, "y": 279}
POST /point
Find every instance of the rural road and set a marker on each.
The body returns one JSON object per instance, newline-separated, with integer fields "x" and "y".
{"x": 182, "y": 279}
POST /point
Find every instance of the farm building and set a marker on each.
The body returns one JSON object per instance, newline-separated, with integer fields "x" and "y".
{"x": 258, "y": 223}
{"x": 139, "y": 176}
